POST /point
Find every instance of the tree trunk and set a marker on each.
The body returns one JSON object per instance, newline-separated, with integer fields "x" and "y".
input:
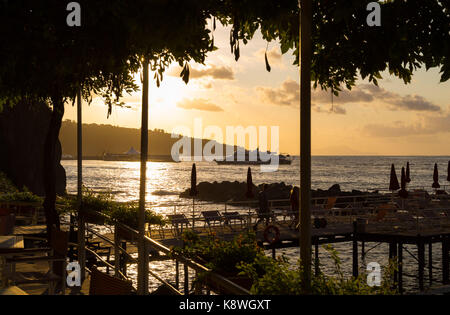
{"x": 142, "y": 249}
{"x": 50, "y": 159}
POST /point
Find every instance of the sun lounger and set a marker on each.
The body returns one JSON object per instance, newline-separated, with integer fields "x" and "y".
{"x": 212, "y": 216}
{"x": 233, "y": 216}
{"x": 176, "y": 220}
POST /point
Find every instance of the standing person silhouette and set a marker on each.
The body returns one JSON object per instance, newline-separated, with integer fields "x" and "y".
{"x": 263, "y": 210}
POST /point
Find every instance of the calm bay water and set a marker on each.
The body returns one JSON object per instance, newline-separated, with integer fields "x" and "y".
{"x": 166, "y": 180}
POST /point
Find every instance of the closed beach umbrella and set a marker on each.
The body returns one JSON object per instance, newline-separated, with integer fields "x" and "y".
{"x": 193, "y": 192}
{"x": 448, "y": 171}
{"x": 249, "y": 193}
{"x": 408, "y": 178}
{"x": 435, "y": 177}
{"x": 403, "y": 193}
{"x": 393, "y": 184}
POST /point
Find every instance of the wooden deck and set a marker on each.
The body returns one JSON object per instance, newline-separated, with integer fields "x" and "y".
{"x": 393, "y": 233}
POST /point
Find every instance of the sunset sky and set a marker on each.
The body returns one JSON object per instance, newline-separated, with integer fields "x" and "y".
{"x": 392, "y": 119}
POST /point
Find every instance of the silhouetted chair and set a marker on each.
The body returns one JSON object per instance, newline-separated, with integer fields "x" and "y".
{"x": 104, "y": 284}
{"x": 212, "y": 216}
{"x": 176, "y": 220}
{"x": 228, "y": 217}
{"x": 57, "y": 257}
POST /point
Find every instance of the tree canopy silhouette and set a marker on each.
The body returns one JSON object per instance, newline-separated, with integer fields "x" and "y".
{"x": 41, "y": 58}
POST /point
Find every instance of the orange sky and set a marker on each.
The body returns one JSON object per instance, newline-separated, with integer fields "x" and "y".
{"x": 393, "y": 119}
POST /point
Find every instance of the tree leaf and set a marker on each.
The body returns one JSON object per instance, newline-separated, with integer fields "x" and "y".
{"x": 268, "y": 68}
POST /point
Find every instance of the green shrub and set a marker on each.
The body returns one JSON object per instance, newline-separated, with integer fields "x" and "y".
{"x": 99, "y": 202}
{"x": 124, "y": 212}
{"x": 278, "y": 277}
{"x": 128, "y": 214}
{"x": 6, "y": 185}
{"x": 221, "y": 256}
{"x": 20, "y": 196}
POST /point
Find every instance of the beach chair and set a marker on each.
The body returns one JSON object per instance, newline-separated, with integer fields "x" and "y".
{"x": 57, "y": 257}
{"x": 212, "y": 216}
{"x": 104, "y": 284}
{"x": 178, "y": 220}
{"x": 233, "y": 216}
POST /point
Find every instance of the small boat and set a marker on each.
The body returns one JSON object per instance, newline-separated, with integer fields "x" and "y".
{"x": 249, "y": 159}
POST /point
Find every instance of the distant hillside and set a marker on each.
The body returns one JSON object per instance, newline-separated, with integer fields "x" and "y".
{"x": 100, "y": 139}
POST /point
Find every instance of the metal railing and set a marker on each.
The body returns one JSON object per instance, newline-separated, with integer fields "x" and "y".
{"x": 219, "y": 281}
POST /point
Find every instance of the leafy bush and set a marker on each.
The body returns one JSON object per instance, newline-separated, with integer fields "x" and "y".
{"x": 6, "y": 186}
{"x": 221, "y": 256}
{"x": 99, "y": 202}
{"x": 21, "y": 196}
{"x": 128, "y": 214}
{"x": 278, "y": 277}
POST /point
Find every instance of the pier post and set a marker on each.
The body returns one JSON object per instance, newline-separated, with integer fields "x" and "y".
{"x": 445, "y": 260}
{"x": 400, "y": 268}
{"x": 316, "y": 258}
{"x": 393, "y": 257}
{"x": 355, "y": 251}
{"x": 430, "y": 261}
{"x": 116, "y": 252}
{"x": 186, "y": 280}
{"x": 421, "y": 257}
{"x": 363, "y": 249}
{"x": 177, "y": 274}
{"x": 123, "y": 260}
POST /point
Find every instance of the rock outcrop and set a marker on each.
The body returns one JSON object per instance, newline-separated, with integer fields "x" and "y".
{"x": 23, "y": 129}
{"x": 235, "y": 191}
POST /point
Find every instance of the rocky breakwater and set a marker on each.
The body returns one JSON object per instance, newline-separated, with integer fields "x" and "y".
{"x": 235, "y": 191}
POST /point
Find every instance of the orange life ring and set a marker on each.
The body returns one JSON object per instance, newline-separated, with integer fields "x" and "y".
{"x": 271, "y": 229}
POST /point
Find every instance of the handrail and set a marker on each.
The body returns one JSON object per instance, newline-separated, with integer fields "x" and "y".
{"x": 227, "y": 284}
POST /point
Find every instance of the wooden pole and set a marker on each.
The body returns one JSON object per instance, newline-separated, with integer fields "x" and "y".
{"x": 177, "y": 274}
{"x": 316, "y": 258}
{"x": 81, "y": 227}
{"x": 393, "y": 257}
{"x": 143, "y": 255}
{"x": 445, "y": 260}
{"x": 186, "y": 280}
{"x": 430, "y": 262}
{"x": 305, "y": 141}
{"x": 116, "y": 252}
{"x": 421, "y": 258}
{"x": 400, "y": 268}
{"x": 355, "y": 252}
{"x": 123, "y": 260}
